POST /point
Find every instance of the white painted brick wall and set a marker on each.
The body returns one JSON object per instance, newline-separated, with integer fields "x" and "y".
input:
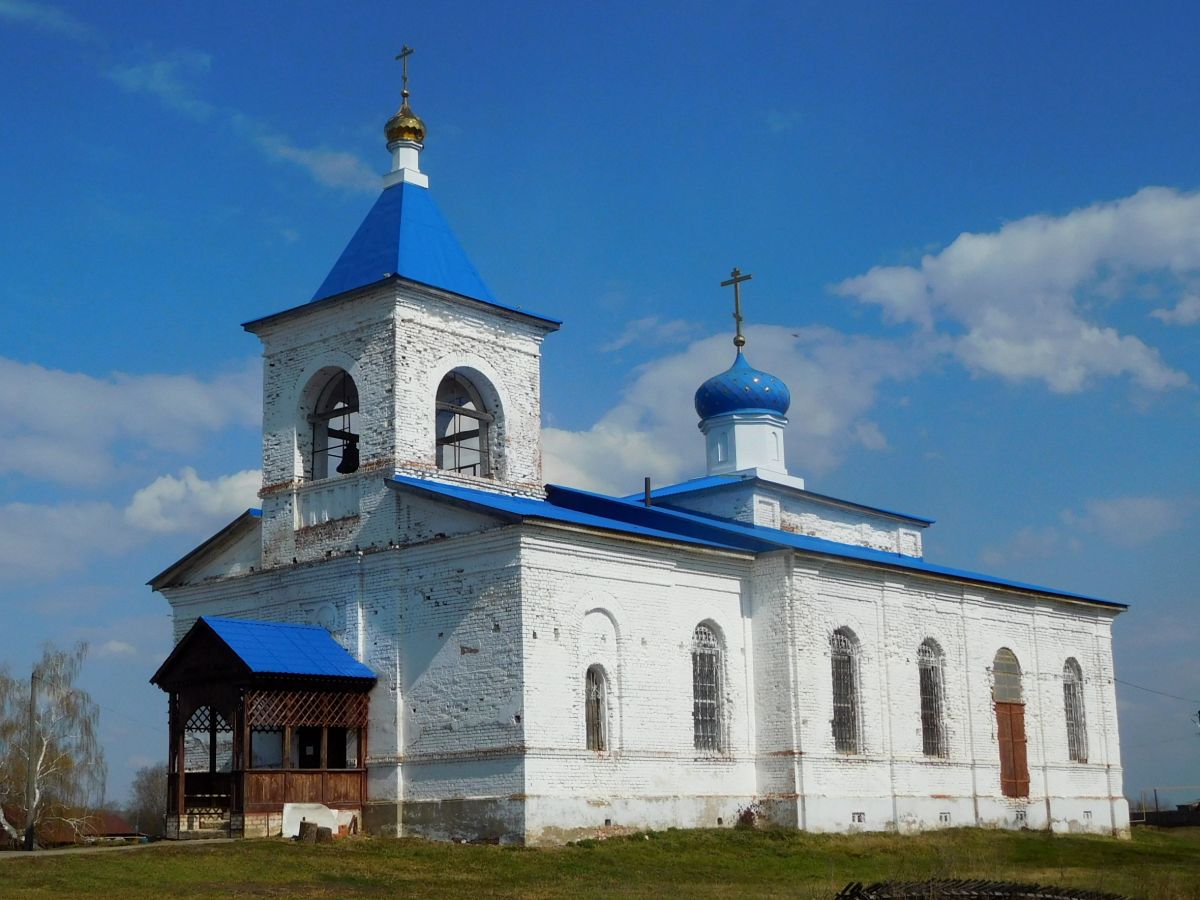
{"x": 397, "y": 342}
{"x": 761, "y": 503}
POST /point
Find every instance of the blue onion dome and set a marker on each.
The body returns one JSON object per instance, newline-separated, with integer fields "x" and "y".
{"x": 741, "y": 389}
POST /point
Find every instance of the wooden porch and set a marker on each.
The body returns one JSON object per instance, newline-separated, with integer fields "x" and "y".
{"x": 245, "y": 743}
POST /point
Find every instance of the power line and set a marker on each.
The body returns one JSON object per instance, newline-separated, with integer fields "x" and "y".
{"x": 1158, "y": 743}
{"x": 157, "y": 729}
{"x": 1160, "y": 693}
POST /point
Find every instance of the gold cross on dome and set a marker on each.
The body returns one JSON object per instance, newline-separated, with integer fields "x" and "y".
{"x": 736, "y": 278}
{"x": 405, "y": 52}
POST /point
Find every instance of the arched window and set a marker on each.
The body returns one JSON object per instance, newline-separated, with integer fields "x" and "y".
{"x": 1006, "y": 677}
{"x": 595, "y": 708}
{"x": 706, "y": 690}
{"x": 930, "y": 665}
{"x": 334, "y": 421}
{"x": 843, "y": 647}
{"x": 1077, "y": 743}
{"x": 1010, "y": 724}
{"x": 462, "y": 427}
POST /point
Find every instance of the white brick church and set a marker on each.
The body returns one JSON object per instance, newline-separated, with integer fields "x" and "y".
{"x": 534, "y": 663}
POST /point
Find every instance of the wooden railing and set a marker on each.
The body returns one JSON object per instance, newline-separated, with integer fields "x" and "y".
{"x": 332, "y": 787}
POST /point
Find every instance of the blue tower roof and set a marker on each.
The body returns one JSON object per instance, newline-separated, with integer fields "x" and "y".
{"x": 405, "y": 234}
{"x": 742, "y": 389}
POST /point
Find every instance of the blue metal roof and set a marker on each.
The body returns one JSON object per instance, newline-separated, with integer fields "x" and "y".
{"x": 704, "y": 483}
{"x": 272, "y": 648}
{"x": 520, "y": 508}
{"x": 864, "y": 554}
{"x": 627, "y": 516}
{"x": 405, "y": 235}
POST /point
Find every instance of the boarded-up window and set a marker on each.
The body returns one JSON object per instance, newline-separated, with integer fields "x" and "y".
{"x": 843, "y": 647}
{"x": 930, "y": 664}
{"x": 595, "y": 708}
{"x": 706, "y": 690}
{"x": 1010, "y": 724}
{"x": 1077, "y": 743}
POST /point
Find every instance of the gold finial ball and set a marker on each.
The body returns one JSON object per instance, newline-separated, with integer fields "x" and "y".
{"x": 405, "y": 125}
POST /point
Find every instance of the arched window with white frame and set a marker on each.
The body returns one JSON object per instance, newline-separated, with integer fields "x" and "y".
{"x": 1077, "y": 742}
{"x": 707, "y": 677}
{"x": 844, "y": 665}
{"x": 334, "y": 422}
{"x": 595, "y": 708}
{"x": 931, "y": 664}
{"x": 463, "y": 426}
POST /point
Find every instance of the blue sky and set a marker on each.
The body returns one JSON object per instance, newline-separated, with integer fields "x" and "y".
{"x": 974, "y": 234}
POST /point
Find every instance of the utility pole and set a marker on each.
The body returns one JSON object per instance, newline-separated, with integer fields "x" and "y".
{"x": 31, "y": 767}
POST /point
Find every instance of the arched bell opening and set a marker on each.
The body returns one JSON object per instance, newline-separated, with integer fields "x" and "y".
{"x": 467, "y": 425}
{"x": 330, "y": 431}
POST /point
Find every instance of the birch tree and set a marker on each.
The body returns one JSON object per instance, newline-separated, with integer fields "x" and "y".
{"x": 62, "y": 754}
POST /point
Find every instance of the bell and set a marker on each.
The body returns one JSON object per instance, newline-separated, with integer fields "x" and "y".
{"x": 349, "y": 461}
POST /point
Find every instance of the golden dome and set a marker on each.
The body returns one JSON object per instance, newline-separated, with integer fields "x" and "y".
{"x": 405, "y": 125}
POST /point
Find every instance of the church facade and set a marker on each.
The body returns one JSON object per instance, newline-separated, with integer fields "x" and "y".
{"x": 551, "y": 663}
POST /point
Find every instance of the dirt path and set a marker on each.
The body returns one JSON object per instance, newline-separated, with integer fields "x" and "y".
{"x": 68, "y": 851}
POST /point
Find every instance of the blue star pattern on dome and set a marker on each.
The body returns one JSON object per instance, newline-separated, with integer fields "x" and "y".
{"x": 742, "y": 389}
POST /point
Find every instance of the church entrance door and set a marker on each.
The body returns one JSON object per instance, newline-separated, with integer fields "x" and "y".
{"x": 1014, "y": 765}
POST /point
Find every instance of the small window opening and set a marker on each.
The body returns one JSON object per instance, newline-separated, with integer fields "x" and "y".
{"x": 858, "y": 817}
{"x": 847, "y": 737}
{"x": 208, "y": 742}
{"x": 706, "y": 690}
{"x": 462, "y": 427}
{"x": 1021, "y": 816}
{"x": 596, "y": 709}
{"x": 335, "y": 429}
{"x": 306, "y": 747}
{"x": 1077, "y": 744}
{"x": 266, "y": 748}
{"x": 944, "y": 818}
{"x": 930, "y": 668}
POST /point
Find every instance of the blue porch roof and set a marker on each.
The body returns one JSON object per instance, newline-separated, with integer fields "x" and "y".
{"x": 272, "y": 648}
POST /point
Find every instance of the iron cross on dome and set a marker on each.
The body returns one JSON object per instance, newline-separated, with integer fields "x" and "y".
{"x": 736, "y": 278}
{"x": 405, "y": 52}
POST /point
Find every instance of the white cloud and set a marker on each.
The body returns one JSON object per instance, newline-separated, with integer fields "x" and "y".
{"x": 779, "y": 121}
{"x": 1185, "y": 312}
{"x": 652, "y": 429}
{"x": 65, "y": 426}
{"x": 1023, "y": 302}
{"x": 1125, "y": 521}
{"x": 47, "y": 18}
{"x": 188, "y": 502}
{"x": 1129, "y": 521}
{"x": 332, "y": 168}
{"x": 1032, "y": 542}
{"x": 170, "y": 79}
{"x": 39, "y": 542}
{"x": 651, "y": 330}
{"x": 114, "y": 648}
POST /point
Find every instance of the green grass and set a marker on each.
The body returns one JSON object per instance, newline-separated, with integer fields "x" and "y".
{"x": 1158, "y": 864}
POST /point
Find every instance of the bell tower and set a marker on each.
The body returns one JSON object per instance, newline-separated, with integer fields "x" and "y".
{"x": 402, "y": 361}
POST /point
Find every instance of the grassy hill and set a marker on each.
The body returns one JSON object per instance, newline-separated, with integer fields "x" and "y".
{"x": 1163, "y": 865}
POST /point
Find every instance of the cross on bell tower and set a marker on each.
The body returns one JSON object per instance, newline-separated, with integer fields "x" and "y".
{"x": 405, "y": 135}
